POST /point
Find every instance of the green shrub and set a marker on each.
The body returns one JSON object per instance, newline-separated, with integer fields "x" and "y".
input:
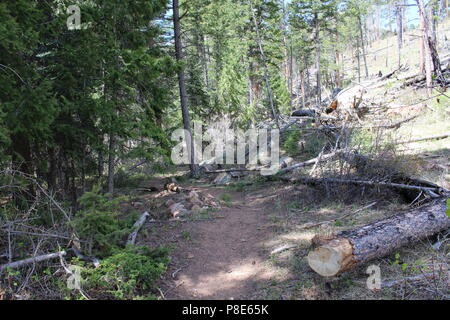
{"x": 291, "y": 143}
{"x": 312, "y": 146}
{"x": 98, "y": 223}
{"x": 226, "y": 198}
{"x": 130, "y": 273}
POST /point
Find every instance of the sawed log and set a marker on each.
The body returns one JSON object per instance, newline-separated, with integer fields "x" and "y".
{"x": 346, "y": 250}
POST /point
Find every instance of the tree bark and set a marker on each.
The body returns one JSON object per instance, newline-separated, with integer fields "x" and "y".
{"x": 21, "y": 263}
{"x": 266, "y": 71}
{"x": 302, "y": 88}
{"x": 182, "y": 87}
{"x": 363, "y": 47}
{"x": 112, "y": 146}
{"x": 136, "y": 227}
{"x": 399, "y": 13}
{"x": 434, "y": 22}
{"x": 318, "y": 56}
{"x": 334, "y": 255}
{"x": 432, "y": 62}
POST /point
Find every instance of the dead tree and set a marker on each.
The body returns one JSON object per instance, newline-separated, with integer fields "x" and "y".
{"x": 432, "y": 63}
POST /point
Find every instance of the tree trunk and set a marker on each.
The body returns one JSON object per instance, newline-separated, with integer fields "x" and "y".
{"x": 337, "y": 60}
{"x": 302, "y": 88}
{"x": 182, "y": 87}
{"x": 318, "y": 54}
{"x": 291, "y": 76}
{"x": 266, "y": 71}
{"x": 432, "y": 62}
{"x": 358, "y": 58}
{"x": 426, "y": 48}
{"x": 421, "y": 53}
{"x": 111, "y": 149}
{"x": 363, "y": 47}
{"x": 399, "y": 13}
{"x": 348, "y": 249}
{"x": 434, "y": 19}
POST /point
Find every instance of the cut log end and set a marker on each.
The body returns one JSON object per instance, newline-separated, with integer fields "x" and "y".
{"x": 332, "y": 258}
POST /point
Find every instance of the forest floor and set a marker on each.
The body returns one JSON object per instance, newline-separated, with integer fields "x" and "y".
{"x": 227, "y": 254}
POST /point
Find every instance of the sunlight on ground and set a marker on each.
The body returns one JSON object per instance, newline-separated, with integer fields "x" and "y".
{"x": 233, "y": 276}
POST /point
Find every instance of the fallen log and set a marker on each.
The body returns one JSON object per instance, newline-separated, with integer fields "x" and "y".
{"x": 310, "y": 162}
{"x": 336, "y": 254}
{"x": 434, "y": 137}
{"x": 21, "y": 263}
{"x": 432, "y": 191}
{"x": 136, "y": 227}
{"x": 234, "y": 170}
{"x": 304, "y": 113}
{"x": 420, "y": 277}
{"x": 398, "y": 179}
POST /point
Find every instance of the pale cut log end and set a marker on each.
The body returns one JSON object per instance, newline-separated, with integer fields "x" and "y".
{"x": 332, "y": 258}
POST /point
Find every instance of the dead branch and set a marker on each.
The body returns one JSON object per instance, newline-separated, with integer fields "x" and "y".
{"x": 21, "y": 263}
{"x": 82, "y": 257}
{"x": 136, "y": 227}
{"x": 235, "y": 170}
{"x": 392, "y": 283}
{"x": 283, "y": 248}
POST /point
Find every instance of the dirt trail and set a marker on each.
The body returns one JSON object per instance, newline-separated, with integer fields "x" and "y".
{"x": 223, "y": 258}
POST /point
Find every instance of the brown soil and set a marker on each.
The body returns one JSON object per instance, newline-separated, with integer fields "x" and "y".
{"x": 220, "y": 258}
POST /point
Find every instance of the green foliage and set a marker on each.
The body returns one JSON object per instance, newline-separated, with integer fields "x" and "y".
{"x": 226, "y": 198}
{"x": 237, "y": 186}
{"x": 291, "y": 144}
{"x": 363, "y": 140}
{"x": 63, "y": 91}
{"x": 98, "y": 223}
{"x": 128, "y": 274}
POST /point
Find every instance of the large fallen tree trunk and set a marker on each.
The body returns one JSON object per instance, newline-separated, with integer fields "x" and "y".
{"x": 334, "y": 255}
